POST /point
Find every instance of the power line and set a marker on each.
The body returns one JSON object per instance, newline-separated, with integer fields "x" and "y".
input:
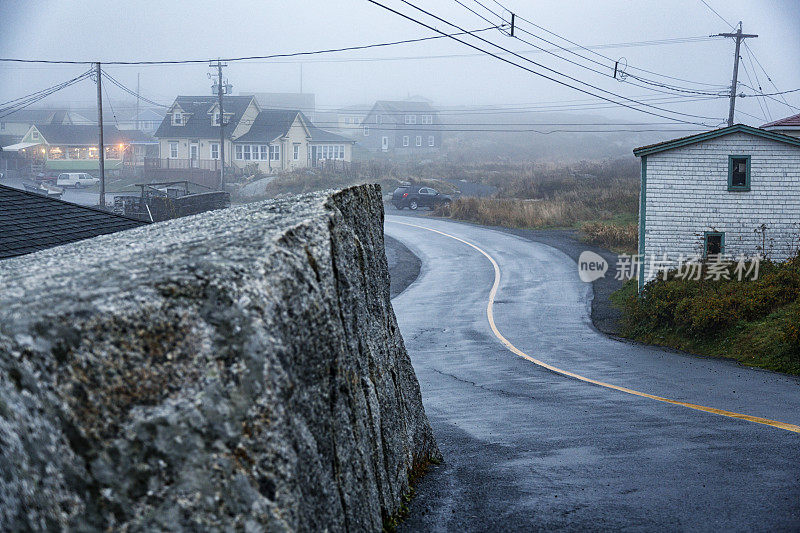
{"x": 588, "y": 49}
{"x": 537, "y": 64}
{"x": 607, "y": 68}
{"x": 24, "y": 102}
{"x": 131, "y": 92}
{"x": 717, "y": 14}
{"x": 248, "y": 58}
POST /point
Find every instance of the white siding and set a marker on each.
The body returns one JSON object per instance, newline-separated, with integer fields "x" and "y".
{"x": 687, "y": 195}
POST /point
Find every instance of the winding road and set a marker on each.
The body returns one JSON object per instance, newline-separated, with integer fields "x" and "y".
{"x": 545, "y": 423}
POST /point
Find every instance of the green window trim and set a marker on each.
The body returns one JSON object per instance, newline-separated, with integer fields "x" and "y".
{"x": 720, "y": 234}
{"x": 731, "y": 186}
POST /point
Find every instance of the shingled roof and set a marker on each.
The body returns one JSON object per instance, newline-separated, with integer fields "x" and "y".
{"x": 788, "y": 123}
{"x": 198, "y": 120}
{"x": 31, "y": 222}
{"x": 87, "y": 135}
{"x": 273, "y": 123}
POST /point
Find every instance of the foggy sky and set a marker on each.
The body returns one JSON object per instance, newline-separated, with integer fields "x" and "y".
{"x": 158, "y": 30}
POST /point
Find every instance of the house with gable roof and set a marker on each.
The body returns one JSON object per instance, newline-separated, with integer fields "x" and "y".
{"x": 275, "y": 140}
{"x": 731, "y": 192}
{"x": 401, "y": 127}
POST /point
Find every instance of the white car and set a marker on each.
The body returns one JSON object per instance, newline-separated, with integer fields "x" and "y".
{"x": 76, "y": 179}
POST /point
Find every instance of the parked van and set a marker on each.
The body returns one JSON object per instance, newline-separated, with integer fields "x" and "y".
{"x": 76, "y": 179}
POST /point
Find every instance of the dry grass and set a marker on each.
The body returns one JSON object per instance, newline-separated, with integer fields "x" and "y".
{"x": 617, "y": 237}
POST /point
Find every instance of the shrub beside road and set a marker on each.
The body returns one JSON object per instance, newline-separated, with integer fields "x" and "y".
{"x": 756, "y": 322}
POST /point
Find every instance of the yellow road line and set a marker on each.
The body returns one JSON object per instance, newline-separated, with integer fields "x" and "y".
{"x": 490, "y": 315}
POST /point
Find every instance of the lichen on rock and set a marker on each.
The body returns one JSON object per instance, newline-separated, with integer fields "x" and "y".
{"x": 237, "y": 369}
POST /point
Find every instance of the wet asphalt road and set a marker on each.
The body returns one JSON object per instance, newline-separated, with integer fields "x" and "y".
{"x": 528, "y": 449}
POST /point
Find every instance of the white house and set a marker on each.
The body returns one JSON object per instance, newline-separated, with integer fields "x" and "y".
{"x": 733, "y": 191}
{"x": 273, "y": 139}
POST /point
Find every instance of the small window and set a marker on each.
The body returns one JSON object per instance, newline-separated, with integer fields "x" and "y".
{"x": 35, "y": 135}
{"x": 714, "y": 244}
{"x": 366, "y": 131}
{"x": 177, "y": 119}
{"x": 216, "y": 118}
{"x": 427, "y": 119}
{"x": 431, "y": 140}
{"x": 246, "y": 152}
{"x": 405, "y": 140}
{"x": 739, "y": 173}
{"x": 264, "y": 151}
{"x": 275, "y": 152}
{"x": 214, "y": 150}
{"x": 239, "y": 152}
{"x": 173, "y": 150}
{"x": 411, "y": 119}
{"x": 419, "y": 140}
{"x": 377, "y": 119}
{"x": 296, "y": 152}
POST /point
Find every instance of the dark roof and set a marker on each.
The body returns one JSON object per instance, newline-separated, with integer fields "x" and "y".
{"x": 405, "y": 106}
{"x": 198, "y": 123}
{"x": 320, "y": 135}
{"x": 270, "y": 124}
{"x": 38, "y": 116}
{"x": 32, "y": 222}
{"x": 273, "y": 123}
{"x": 692, "y": 139}
{"x": 69, "y": 134}
{"x": 792, "y": 122}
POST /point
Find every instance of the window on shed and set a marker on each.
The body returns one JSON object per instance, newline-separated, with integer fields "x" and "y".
{"x": 714, "y": 244}
{"x": 739, "y": 173}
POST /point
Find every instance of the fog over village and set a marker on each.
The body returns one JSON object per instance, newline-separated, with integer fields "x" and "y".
{"x": 394, "y": 265}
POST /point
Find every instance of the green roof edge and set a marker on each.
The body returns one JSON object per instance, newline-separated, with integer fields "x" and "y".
{"x": 700, "y": 137}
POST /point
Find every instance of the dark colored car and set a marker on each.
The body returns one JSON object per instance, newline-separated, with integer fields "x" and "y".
{"x": 414, "y": 196}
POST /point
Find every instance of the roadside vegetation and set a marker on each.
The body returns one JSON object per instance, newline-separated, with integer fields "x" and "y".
{"x": 756, "y": 322}
{"x": 599, "y": 198}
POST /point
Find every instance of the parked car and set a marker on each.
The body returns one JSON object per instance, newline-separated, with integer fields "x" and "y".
{"x": 76, "y": 179}
{"x": 413, "y": 197}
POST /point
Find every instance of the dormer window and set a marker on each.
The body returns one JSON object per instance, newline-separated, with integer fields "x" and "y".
{"x": 35, "y": 135}
{"x": 411, "y": 119}
{"x": 216, "y": 118}
{"x": 177, "y": 118}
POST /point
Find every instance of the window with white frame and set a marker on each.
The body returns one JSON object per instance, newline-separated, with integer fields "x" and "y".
{"x": 239, "y": 151}
{"x": 214, "y": 150}
{"x": 173, "y": 149}
{"x": 431, "y": 140}
{"x": 378, "y": 119}
{"x": 263, "y": 152}
{"x": 35, "y": 135}
{"x": 366, "y": 131}
{"x": 427, "y": 119}
{"x": 295, "y": 152}
{"x": 411, "y": 119}
{"x": 419, "y": 140}
{"x": 330, "y": 151}
{"x": 275, "y": 152}
{"x": 215, "y": 122}
{"x": 253, "y": 152}
{"x": 177, "y": 118}
{"x": 405, "y": 140}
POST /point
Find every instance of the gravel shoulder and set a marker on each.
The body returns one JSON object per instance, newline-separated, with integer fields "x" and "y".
{"x": 404, "y": 266}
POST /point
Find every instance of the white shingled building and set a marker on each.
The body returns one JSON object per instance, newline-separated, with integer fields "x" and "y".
{"x": 733, "y": 191}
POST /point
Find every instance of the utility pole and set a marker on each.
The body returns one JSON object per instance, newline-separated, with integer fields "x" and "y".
{"x": 101, "y": 155}
{"x": 137, "y": 100}
{"x": 739, "y": 36}
{"x": 220, "y": 92}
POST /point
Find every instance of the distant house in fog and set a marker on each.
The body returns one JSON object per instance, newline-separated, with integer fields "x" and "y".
{"x": 146, "y": 120}
{"x": 305, "y": 102}
{"x": 731, "y": 192}
{"x": 787, "y": 126}
{"x": 401, "y": 127}
{"x": 18, "y": 123}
